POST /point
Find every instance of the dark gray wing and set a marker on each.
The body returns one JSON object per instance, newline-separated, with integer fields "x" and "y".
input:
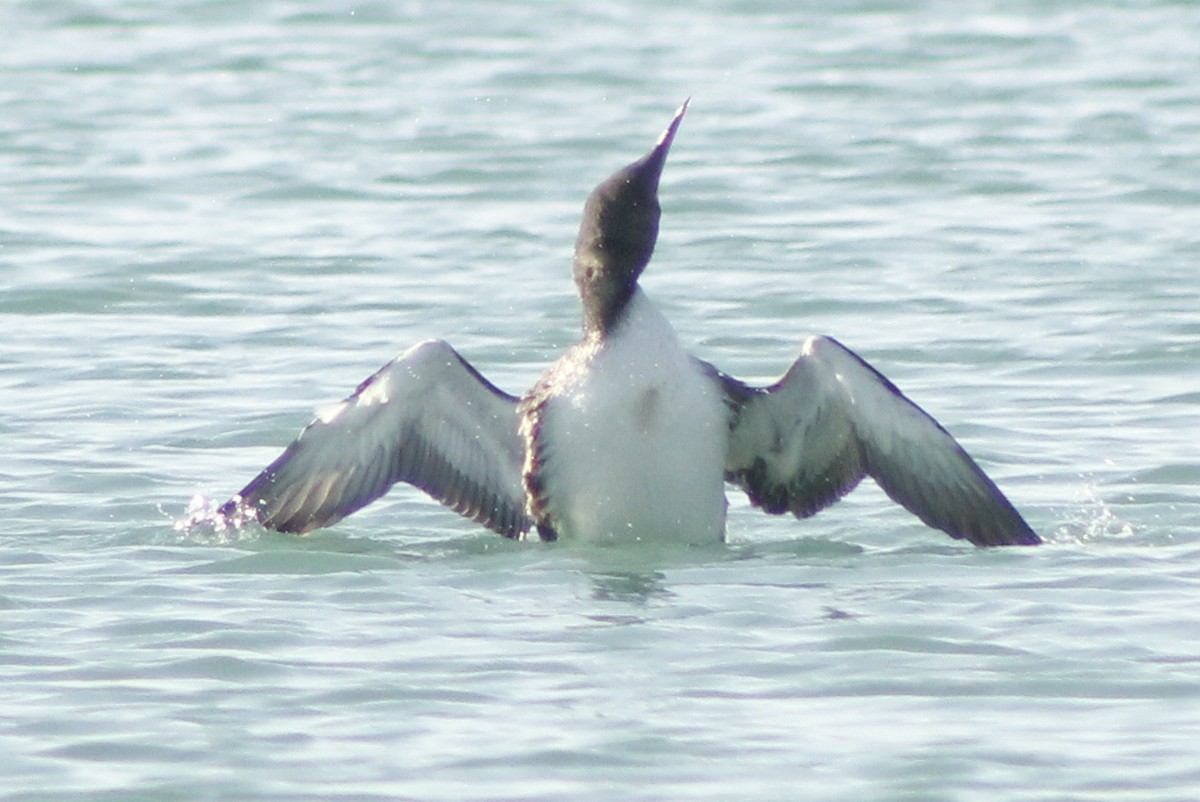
{"x": 427, "y": 418}
{"x": 803, "y": 443}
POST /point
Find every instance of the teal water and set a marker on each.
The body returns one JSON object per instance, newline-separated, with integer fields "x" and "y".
{"x": 217, "y": 216}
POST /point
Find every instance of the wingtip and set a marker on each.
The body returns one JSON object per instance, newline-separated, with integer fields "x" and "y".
{"x": 1010, "y": 529}
{"x": 1026, "y": 538}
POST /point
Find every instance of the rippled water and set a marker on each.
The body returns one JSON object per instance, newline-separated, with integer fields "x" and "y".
{"x": 216, "y": 216}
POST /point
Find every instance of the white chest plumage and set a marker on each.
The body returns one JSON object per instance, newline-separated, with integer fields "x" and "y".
{"x": 632, "y": 438}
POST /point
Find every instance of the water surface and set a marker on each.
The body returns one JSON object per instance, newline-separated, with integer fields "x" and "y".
{"x": 219, "y": 216}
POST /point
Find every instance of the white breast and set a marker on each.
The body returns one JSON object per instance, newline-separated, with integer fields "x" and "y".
{"x": 635, "y": 444}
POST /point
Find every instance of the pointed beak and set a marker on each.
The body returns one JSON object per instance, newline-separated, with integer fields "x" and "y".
{"x": 668, "y": 136}
{"x": 656, "y": 158}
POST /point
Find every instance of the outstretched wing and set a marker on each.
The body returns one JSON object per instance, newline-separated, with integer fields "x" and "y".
{"x": 427, "y": 418}
{"x": 806, "y": 441}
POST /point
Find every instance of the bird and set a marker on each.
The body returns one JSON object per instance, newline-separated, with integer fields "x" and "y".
{"x": 627, "y": 436}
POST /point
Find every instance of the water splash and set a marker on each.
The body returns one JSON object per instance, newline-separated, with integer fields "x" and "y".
{"x": 204, "y": 520}
{"x": 1090, "y": 518}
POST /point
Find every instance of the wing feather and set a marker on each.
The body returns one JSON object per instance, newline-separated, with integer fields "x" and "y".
{"x": 804, "y": 442}
{"x": 426, "y": 418}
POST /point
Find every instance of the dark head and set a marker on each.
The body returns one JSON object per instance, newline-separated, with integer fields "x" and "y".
{"x": 616, "y": 238}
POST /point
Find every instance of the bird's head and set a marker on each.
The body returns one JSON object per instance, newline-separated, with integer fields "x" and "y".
{"x": 618, "y": 232}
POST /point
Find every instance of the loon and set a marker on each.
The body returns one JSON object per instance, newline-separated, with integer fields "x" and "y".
{"x": 626, "y": 436}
